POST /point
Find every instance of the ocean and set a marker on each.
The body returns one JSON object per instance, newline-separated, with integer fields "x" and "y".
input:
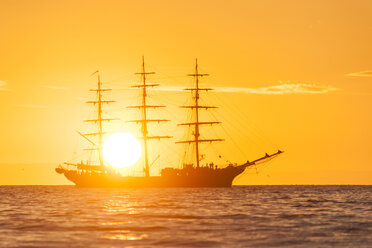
{"x": 241, "y": 216}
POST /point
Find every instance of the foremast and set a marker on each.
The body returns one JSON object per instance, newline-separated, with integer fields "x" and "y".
{"x": 144, "y": 120}
{"x": 100, "y": 120}
{"x": 197, "y": 123}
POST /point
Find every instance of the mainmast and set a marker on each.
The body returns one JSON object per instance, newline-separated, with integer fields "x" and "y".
{"x": 99, "y": 121}
{"x": 196, "y": 108}
{"x": 144, "y": 120}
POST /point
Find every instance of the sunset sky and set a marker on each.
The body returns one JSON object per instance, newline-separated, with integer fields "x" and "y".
{"x": 289, "y": 75}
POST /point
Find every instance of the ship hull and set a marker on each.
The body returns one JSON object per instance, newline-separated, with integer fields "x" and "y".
{"x": 207, "y": 178}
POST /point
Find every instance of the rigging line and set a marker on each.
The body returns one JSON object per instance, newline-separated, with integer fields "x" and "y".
{"x": 258, "y": 132}
{"x": 168, "y": 112}
{"x": 170, "y": 149}
{"x": 164, "y": 98}
{"x": 169, "y": 101}
{"x": 169, "y": 77}
{"x": 207, "y": 150}
{"x": 229, "y": 123}
{"x": 159, "y": 91}
{"x": 186, "y": 147}
{"x": 258, "y": 168}
{"x": 232, "y": 140}
{"x": 152, "y": 67}
{"x": 218, "y": 151}
{"x": 244, "y": 127}
{"x": 76, "y": 157}
{"x": 263, "y": 165}
{"x": 254, "y": 127}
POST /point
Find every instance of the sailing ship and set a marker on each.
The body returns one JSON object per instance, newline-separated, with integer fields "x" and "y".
{"x": 86, "y": 174}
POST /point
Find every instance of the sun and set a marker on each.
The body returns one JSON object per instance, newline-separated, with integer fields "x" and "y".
{"x": 121, "y": 150}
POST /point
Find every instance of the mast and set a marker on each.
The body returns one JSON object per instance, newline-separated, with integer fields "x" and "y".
{"x": 100, "y": 134}
{"x": 196, "y": 108}
{"x": 144, "y": 120}
{"x": 99, "y": 121}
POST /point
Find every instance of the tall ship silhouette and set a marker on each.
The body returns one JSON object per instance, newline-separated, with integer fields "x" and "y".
{"x": 88, "y": 174}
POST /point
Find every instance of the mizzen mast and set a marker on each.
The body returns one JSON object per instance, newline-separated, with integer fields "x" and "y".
{"x": 196, "y": 108}
{"x": 144, "y": 119}
{"x": 99, "y": 121}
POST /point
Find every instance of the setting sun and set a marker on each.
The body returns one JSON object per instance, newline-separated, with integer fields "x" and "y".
{"x": 121, "y": 150}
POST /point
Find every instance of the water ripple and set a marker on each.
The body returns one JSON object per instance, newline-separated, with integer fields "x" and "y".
{"x": 249, "y": 216}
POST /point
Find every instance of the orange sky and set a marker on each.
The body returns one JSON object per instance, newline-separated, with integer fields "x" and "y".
{"x": 294, "y": 75}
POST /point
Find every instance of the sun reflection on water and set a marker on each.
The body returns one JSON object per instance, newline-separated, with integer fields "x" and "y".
{"x": 115, "y": 206}
{"x": 123, "y": 235}
{"x": 113, "y": 223}
{"x": 124, "y": 208}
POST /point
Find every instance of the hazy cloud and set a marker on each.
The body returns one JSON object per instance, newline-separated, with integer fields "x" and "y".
{"x": 360, "y": 74}
{"x": 2, "y": 84}
{"x": 281, "y": 89}
{"x": 292, "y": 88}
{"x": 52, "y": 87}
{"x": 169, "y": 88}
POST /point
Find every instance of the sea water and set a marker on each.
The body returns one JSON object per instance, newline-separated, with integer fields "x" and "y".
{"x": 241, "y": 216}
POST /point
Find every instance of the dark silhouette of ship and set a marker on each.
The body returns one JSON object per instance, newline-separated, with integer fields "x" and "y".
{"x": 85, "y": 174}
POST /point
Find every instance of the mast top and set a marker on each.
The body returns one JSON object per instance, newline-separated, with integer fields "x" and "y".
{"x": 143, "y": 72}
{"x": 197, "y": 74}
